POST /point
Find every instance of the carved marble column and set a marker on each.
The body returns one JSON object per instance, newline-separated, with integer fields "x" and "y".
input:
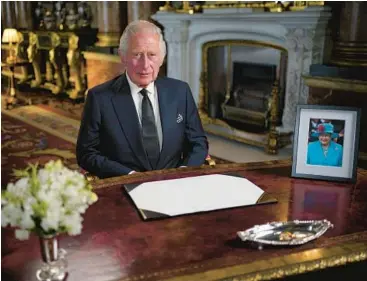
{"x": 132, "y": 11}
{"x": 350, "y": 49}
{"x": 111, "y": 22}
{"x": 141, "y": 10}
{"x": 305, "y": 47}
{"x": 23, "y": 15}
{"x": 176, "y": 38}
{"x": 8, "y": 14}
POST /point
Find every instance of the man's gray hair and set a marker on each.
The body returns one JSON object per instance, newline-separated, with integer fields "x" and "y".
{"x": 139, "y": 26}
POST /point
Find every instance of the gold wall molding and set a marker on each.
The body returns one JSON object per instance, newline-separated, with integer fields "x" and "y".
{"x": 348, "y": 62}
{"x": 336, "y": 83}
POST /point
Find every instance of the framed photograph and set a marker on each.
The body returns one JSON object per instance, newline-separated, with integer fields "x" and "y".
{"x": 326, "y": 140}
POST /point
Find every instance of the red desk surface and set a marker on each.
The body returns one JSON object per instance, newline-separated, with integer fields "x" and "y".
{"x": 116, "y": 244}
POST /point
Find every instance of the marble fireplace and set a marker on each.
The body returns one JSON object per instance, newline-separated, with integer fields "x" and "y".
{"x": 302, "y": 34}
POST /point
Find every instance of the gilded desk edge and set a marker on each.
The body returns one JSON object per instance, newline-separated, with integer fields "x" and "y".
{"x": 273, "y": 268}
{"x": 219, "y": 168}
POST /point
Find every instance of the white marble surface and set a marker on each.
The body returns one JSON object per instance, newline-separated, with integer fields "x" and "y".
{"x": 302, "y": 34}
{"x": 242, "y": 153}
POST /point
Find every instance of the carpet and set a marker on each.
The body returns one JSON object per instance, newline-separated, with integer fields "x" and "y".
{"x": 23, "y": 142}
{"x": 39, "y": 133}
{"x": 59, "y": 103}
{"x": 46, "y": 120}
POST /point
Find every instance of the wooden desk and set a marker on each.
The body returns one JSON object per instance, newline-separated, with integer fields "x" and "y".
{"x": 117, "y": 245}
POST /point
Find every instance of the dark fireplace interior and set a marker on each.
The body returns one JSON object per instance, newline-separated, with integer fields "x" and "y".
{"x": 239, "y": 92}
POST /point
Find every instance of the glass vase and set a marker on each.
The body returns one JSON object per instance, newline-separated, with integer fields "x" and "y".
{"x": 54, "y": 261}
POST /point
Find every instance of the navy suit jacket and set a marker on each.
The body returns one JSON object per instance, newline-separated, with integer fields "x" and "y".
{"x": 110, "y": 143}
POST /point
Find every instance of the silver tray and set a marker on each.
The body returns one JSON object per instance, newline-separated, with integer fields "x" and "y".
{"x": 285, "y": 233}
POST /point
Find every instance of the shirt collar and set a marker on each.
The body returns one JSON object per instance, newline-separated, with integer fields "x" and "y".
{"x": 136, "y": 89}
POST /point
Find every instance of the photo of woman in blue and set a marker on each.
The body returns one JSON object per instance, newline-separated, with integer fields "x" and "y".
{"x": 325, "y": 151}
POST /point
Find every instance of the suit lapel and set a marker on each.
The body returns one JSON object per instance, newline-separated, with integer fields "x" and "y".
{"x": 167, "y": 110}
{"x": 125, "y": 110}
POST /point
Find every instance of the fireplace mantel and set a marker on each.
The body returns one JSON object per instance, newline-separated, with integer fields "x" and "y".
{"x": 302, "y": 34}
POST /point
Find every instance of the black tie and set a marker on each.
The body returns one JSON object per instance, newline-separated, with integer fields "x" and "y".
{"x": 149, "y": 129}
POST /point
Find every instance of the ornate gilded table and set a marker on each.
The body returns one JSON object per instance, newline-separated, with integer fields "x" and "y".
{"x": 116, "y": 244}
{"x": 11, "y": 99}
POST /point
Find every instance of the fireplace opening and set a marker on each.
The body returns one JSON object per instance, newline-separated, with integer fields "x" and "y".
{"x": 249, "y": 103}
{"x": 239, "y": 82}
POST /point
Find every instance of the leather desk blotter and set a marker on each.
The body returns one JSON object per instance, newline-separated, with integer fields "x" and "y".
{"x": 175, "y": 197}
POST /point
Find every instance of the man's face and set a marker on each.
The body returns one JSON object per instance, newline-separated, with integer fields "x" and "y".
{"x": 143, "y": 58}
{"x": 325, "y": 139}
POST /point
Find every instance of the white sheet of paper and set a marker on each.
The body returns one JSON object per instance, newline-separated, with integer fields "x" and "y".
{"x": 195, "y": 194}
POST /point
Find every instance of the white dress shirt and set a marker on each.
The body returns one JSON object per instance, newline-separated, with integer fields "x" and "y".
{"x": 153, "y": 97}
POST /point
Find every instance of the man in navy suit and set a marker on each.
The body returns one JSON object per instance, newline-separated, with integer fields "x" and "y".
{"x": 138, "y": 122}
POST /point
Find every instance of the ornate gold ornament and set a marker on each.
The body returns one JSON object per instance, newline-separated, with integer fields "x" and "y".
{"x": 75, "y": 61}
{"x": 266, "y": 6}
{"x": 54, "y": 68}
{"x": 34, "y": 58}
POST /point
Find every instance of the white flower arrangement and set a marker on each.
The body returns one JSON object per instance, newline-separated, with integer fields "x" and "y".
{"x": 46, "y": 201}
